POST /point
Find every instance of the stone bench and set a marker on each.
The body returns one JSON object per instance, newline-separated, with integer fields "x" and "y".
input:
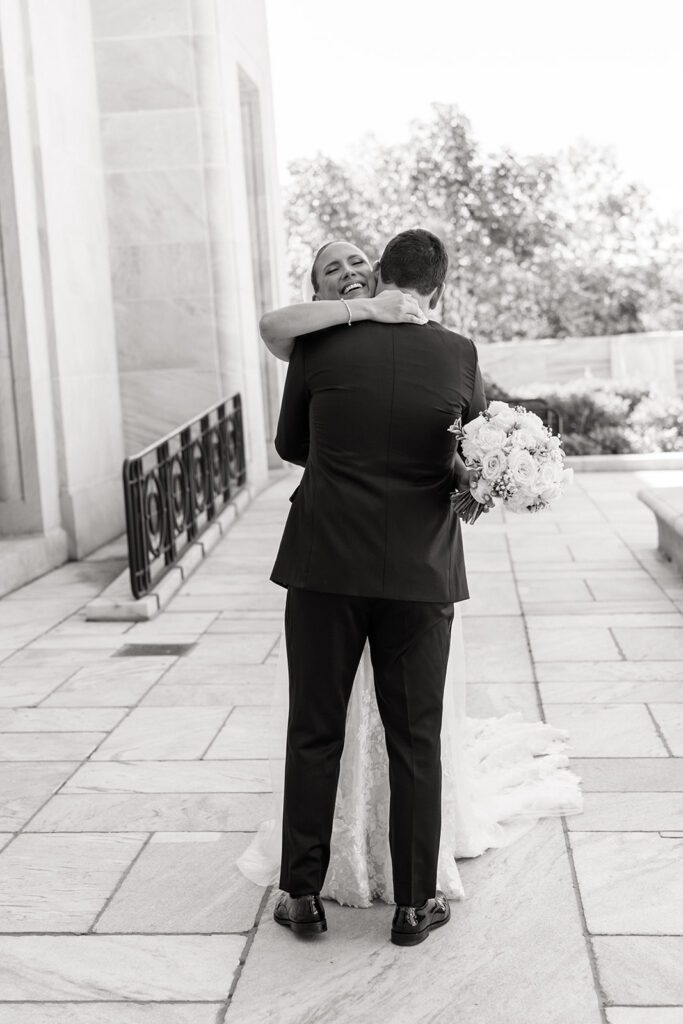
{"x": 667, "y": 505}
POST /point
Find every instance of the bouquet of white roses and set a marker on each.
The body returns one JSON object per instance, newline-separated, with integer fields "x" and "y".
{"x": 515, "y": 457}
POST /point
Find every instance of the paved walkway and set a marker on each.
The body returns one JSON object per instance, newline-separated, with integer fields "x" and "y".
{"x": 130, "y": 784}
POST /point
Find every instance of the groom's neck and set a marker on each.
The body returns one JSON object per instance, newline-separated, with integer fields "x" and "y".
{"x": 422, "y": 300}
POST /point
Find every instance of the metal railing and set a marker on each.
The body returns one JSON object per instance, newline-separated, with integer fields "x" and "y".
{"x": 176, "y": 487}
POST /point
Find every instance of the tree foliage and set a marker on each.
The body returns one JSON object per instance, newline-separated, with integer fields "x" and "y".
{"x": 540, "y": 245}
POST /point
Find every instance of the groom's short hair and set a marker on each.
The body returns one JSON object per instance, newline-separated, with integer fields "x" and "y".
{"x": 415, "y": 259}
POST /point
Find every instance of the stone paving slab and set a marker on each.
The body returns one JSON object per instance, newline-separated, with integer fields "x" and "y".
{"x": 608, "y": 730}
{"x": 185, "y": 882}
{"x": 47, "y": 719}
{"x": 44, "y": 887}
{"x": 109, "y": 1013}
{"x": 629, "y": 774}
{"x": 58, "y": 657}
{"x": 641, "y": 970}
{"x": 49, "y": 746}
{"x": 645, "y": 1015}
{"x": 486, "y": 700}
{"x": 233, "y": 776}
{"x": 629, "y": 812}
{"x": 23, "y": 687}
{"x": 156, "y": 967}
{"x": 118, "y": 883}
{"x": 557, "y": 671}
{"x": 645, "y": 643}
{"x": 225, "y": 695}
{"x": 598, "y": 609}
{"x": 244, "y": 735}
{"x": 161, "y": 734}
{"x": 354, "y": 974}
{"x": 119, "y": 682}
{"x": 181, "y": 812}
{"x": 187, "y": 674}
{"x": 573, "y": 644}
{"x": 24, "y": 788}
{"x": 631, "y": 882}
{"x": 608, "y": 619}
{"x": 507, "y": 660}
{"x": 668, "y": 692}
{"x": 669, "y": 718}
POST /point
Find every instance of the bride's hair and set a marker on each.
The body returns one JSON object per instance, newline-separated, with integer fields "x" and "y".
{"x": 314, "y": 276}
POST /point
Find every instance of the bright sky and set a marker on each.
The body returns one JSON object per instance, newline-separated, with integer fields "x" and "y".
{"x": 532, "y": 74}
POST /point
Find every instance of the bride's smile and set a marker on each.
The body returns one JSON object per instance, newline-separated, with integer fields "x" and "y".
{"x": 342, "y": 270}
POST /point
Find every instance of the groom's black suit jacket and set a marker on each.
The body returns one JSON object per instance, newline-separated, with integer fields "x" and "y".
{"x": 366, "y": 409}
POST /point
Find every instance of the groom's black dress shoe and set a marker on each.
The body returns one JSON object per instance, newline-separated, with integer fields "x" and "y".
{"x": 305, "y": 915}
{"x": 413, "y": 924}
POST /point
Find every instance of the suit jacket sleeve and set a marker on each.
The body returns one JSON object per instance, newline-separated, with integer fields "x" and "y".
{"x": 293, "y": 438}
{"x": 477, "y": 402}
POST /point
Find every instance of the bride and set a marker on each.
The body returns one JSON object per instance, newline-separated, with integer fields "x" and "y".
{"x": 500, "y": 775}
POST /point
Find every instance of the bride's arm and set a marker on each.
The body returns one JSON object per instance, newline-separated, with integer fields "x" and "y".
{"x": 280, "y": 327}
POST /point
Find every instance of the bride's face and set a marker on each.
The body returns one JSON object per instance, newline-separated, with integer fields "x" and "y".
{"x": 343, "y": 271}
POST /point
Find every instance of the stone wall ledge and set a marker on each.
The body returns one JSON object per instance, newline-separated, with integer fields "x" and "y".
{"x": 117, "y": 604}
{"x": 624, "y": 463}
{"x": 667, "y": 505}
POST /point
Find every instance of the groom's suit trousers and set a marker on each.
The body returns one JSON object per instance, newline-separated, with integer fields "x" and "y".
{"x": 409, "y": 644}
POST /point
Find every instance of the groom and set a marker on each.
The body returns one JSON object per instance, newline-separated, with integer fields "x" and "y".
{"x": 371, "y": 550}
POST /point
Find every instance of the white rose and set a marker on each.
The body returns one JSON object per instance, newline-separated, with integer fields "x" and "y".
{"x": 549, "y": 474}
{"x": 522, "y": 467}
{"x": 472, "y": 428}
{"x": 567, "y": 477}
{"x": 492, "y": 464}
{"x": 491, "y": 437}
{"x": 533, "y": 423}
{"x": 503, "y": 413}
{"x": 470, "y": 448}
{"x": 522, "y": 437}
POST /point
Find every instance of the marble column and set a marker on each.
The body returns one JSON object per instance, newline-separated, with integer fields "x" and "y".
{"x": 64, "y": 375}
{"x": 186, "y": 321}
{"x": 75, "y": 257}
{"x": 29, "y": 483}
{"x": 11, "y": 483}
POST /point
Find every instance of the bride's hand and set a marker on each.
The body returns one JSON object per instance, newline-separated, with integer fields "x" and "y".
{"x": 463, "y": 478}
{"x": 464, "y": 481}
{"x": 394, "y": 307}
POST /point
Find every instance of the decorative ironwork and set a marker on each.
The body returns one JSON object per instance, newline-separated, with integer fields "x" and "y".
{"x": 550, "y": 416}
{"x": 175, "y": 487}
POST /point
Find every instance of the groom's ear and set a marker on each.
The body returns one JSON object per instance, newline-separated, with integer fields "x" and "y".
{"x": 436, "y": 296}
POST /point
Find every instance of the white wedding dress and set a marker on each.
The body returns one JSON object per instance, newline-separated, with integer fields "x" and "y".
{"x": 499, "y": 776}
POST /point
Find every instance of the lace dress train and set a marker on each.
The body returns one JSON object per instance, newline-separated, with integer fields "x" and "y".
{"x": 499, "y": 776}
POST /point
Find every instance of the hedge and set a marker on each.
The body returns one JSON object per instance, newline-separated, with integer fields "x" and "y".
{"x": 601, "y": 417}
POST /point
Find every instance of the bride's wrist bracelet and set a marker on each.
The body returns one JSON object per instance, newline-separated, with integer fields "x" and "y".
{"x": 348, "y": 310}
